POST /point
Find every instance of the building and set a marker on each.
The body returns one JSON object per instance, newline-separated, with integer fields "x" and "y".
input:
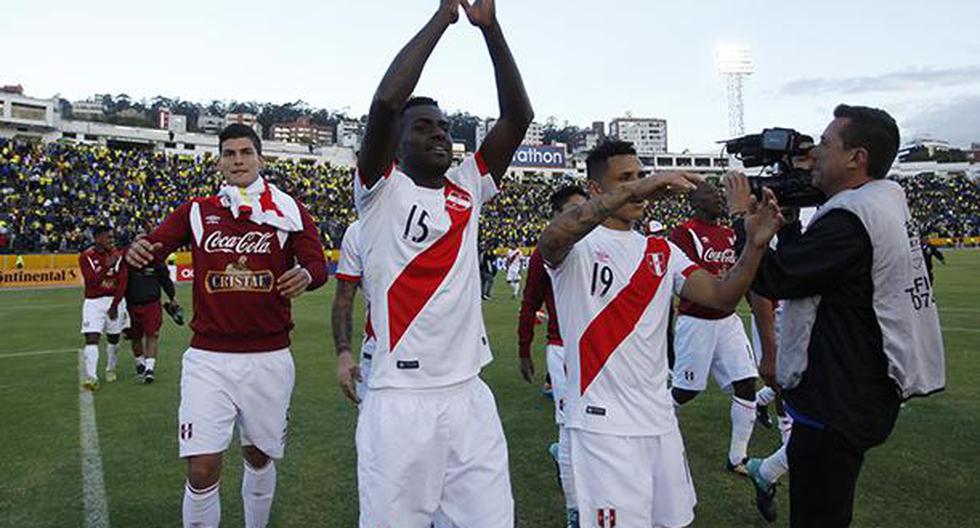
{"x": 648, "y": 135}
{"x": 167, "y": 120}
{"x": 533, "y": 136}
{"x": 303, "y": 131}
{"x": 27, "y": 116}
{"x": 210, "y": 124}
{"x": 244, "y": 118}
{"x": 349, "y": 133}
{"x": 88, "y": 109}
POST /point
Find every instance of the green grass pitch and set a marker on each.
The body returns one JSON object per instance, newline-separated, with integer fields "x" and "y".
{"x": 925, "y": 475}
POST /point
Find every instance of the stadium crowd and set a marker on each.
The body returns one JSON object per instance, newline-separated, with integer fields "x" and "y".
{"x": 53, "y": 195}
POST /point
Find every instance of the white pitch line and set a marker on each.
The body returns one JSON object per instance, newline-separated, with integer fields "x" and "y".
{"x": 93, "y": 487}
{"x": 962, "y": 329}
{"x": 37, "y": 353}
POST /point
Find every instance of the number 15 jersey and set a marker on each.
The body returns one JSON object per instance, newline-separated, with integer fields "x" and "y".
{"x": 419, "y": 252}
{"x": 613, "y": 293}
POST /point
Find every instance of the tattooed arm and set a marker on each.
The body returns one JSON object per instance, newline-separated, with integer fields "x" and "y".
{"x": 571, "y": 226}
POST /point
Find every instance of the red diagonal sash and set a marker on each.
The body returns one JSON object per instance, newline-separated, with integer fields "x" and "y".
{"x": 419, "y": 280}
{"x": 618, "y": 319}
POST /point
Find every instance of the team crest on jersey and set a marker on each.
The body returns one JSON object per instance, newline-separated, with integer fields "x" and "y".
{"x": 658, "y": 263}
{"x": 602, "y": 256}
{"x": 458, "y": 201}
{"x": 237, "y": 277}
{"x": 606, "y": 518}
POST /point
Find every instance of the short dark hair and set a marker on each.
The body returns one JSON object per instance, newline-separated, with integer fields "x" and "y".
{"x": 419, "y": 100}
{"x": 595, "y": 163}
{"x": 874, "y": 130}
{"x": 238, "y": 130}
{"x": 100, "y": 230}
{"x": 561, "y": 196}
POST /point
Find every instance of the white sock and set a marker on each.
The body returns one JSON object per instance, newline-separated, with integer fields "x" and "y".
{"x": 112, "y": 356}
{"x": 785, "y": 428}
{"x": 140, "y": 360}
{"x": 258, "y": 488}
{"x": 202, "y": 508}
{"x": 565, "y": 468}
{"x": 775, "y": 465}
{"x": 150, "y": 363}
{"x": 517, "y": 288}
{"x": 765, "y": 396}
{"x": 743, "y": 417}
{"x": 91, "y": 361}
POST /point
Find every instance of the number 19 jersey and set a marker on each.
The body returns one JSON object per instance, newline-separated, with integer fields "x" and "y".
{"x": 419, "y": 252}
{"x": 613, "y": 293}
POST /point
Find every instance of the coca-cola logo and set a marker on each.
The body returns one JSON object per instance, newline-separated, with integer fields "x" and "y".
{"x": 251, "y": 242}
{"x": 725, "y": 256}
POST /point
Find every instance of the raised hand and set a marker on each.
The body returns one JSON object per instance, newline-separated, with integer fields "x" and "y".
{"x": 738, "y": 193}
{"x": 663, "y": 183}
{"x": 449, "y": 9}
{"x": 481, "y": 13}
{"x": 763, "y": 219}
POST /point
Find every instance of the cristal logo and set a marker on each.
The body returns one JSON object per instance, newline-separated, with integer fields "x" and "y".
{"x": 725, "y": 256}
{"x": 251, "y": 242}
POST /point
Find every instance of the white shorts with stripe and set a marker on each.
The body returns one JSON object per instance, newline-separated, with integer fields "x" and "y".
{"x": 421, "y": 450}
{"x": 222, "y": 390}
{"x": 95, "y": 316}
{"x": 718, "y": 347}
{"x": 632, "y": 481}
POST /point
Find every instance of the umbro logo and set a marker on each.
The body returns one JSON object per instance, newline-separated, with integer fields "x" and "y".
{"x": 212, "y": 219}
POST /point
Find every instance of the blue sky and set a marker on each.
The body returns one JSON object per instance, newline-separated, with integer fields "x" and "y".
{"x": 581, "y": 60}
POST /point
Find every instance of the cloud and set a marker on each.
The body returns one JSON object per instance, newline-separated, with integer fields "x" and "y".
{"x": 957, "y": 121}
{"x": 916, "y": 79}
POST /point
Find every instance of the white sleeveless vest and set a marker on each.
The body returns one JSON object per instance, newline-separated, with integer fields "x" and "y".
{"x": 903, "y": 299}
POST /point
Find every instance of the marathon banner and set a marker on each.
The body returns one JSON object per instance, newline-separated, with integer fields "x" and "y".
{"x": 543, "y": 156}
{"x": 40, "y": 278}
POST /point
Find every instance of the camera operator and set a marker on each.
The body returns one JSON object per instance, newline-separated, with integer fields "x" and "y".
{"x": 860, "y": 329}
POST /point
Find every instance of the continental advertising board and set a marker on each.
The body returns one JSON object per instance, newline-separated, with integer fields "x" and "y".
{"x": 40, "y": 278}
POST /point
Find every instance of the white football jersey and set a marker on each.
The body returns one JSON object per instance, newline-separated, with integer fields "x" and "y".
{"x": 419, "y": 253}
{"x": 613, "y": 293}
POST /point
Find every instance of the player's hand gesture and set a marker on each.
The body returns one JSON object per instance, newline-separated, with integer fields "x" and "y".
{"x": 661, "y": 184}
{"x": 527, "y": 369}
{"x": 737, "y": 192}
{"x": 481, "y": 13}
{"x": 141, "y": 252}
{"x": 763, "y": 219}
{"x": 449, "y": 9}
{"x": 348, "y": 375}
{"x": 294, "y": 282}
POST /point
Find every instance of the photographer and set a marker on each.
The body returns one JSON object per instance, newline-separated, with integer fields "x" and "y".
{"x": 860, "y": 330}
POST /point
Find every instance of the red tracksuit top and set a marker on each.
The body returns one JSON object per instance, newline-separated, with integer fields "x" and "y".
{"x": 237, "y": 307}
{"x": 711, "y": 246}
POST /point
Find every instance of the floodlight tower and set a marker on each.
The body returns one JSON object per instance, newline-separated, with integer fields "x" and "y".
{"x": 735, "y": 64}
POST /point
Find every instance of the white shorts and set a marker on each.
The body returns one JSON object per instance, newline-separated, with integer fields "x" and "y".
{"x": 555, "y": 357}
{"x": 95, "y": 316}
{"x": 632, "y": 481}
{"x": 368, "y": 346}
{"x": 419, "y": 451}
{"x": 219, "y": 390}
{"x": 513, "y": 276}
{"x": 716, "y": 346}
